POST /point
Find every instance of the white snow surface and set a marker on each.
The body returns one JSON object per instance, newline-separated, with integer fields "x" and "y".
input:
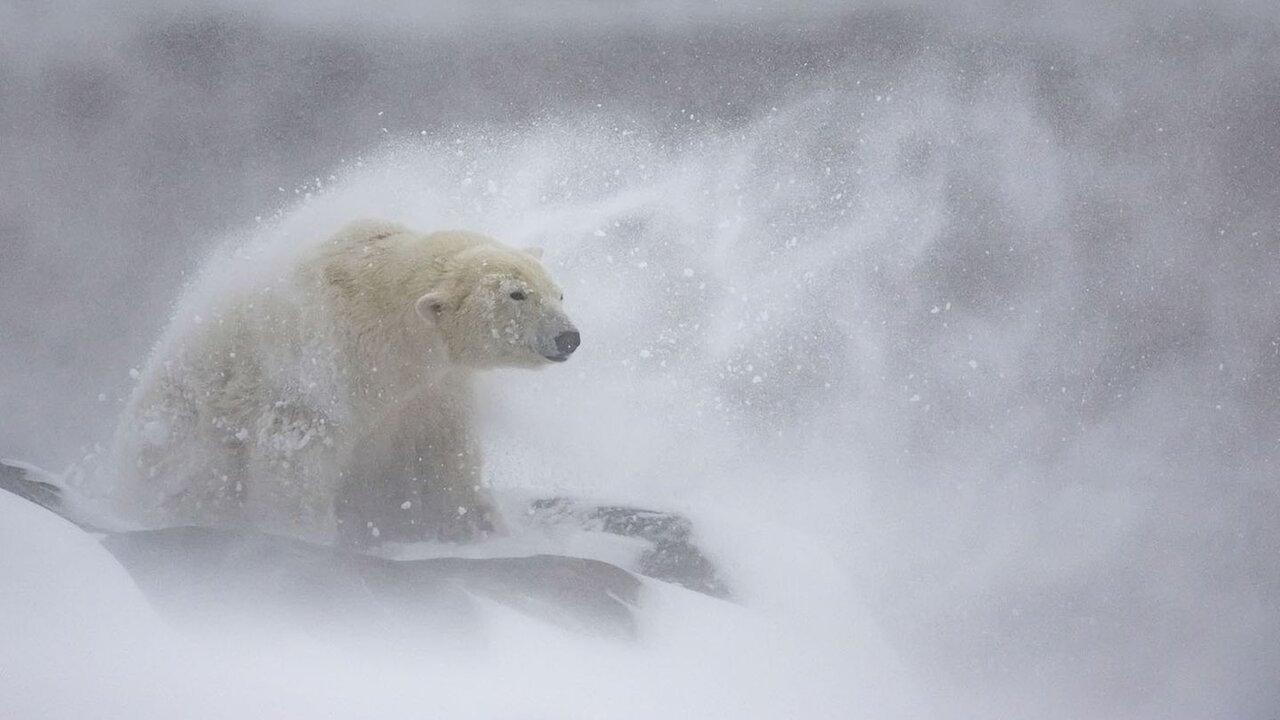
{"x": 81, "y": 641}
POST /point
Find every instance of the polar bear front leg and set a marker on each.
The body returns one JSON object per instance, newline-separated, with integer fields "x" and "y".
{"x": 415, "y": 477}
{"x": 382, "y": 492}
{"x": 458, "y": 502}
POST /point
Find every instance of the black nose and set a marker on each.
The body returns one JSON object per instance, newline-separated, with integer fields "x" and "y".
{"x": 567, "y": 342}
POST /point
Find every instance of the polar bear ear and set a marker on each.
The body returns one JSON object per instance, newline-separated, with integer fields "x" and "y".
{"x": 536, "y": 252}
{"x": 429, "y": 306}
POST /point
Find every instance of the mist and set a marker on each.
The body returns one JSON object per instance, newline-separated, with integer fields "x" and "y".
{"x": 956, "y": 333}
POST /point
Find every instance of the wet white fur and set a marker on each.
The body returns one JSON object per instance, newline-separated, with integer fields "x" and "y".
{"x": 347, "y": 372}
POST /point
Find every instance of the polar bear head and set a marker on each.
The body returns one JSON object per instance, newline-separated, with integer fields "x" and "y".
{"x": 495, "y": 306}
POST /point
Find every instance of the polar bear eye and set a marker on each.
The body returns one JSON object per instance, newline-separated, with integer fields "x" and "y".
{"x": 519, "y": 295}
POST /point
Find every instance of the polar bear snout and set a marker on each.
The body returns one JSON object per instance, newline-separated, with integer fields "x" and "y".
{"x": 566, "y": 343}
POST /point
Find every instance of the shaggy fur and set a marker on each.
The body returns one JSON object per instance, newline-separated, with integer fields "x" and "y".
{"x": 333, "y": 399}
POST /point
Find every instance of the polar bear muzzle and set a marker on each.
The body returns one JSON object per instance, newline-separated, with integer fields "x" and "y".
{"x": 566, "y": 343}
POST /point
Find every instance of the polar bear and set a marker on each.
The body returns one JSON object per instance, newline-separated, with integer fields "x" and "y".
{"x": 330, "y": 398}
